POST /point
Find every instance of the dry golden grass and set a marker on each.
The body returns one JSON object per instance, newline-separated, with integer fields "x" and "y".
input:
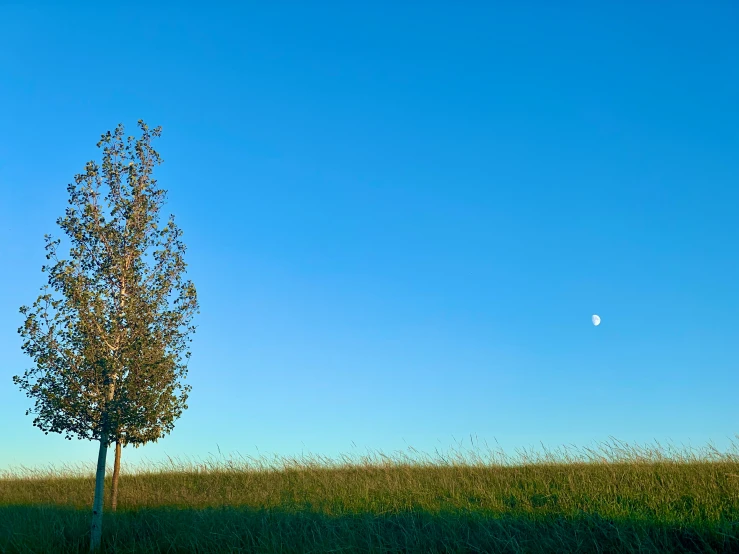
{"x": 615, "y": 498}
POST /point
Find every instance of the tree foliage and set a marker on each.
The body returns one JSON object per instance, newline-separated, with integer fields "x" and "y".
{"x": 108, "y": 335}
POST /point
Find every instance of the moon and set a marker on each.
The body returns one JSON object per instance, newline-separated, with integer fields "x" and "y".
{"x": 596, "y": 320}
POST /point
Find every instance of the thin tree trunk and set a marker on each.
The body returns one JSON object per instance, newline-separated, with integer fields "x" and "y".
{"x": 116, "y": 474}
{"x": 96, "y": 529}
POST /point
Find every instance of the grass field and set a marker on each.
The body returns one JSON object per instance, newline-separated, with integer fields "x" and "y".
{"x": 612, "y": 498}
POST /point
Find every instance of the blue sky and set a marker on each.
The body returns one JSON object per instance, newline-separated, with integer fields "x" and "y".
{"x": 400, "y": 218}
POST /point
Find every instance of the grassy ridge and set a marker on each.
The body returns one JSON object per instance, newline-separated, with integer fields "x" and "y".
{"x": 615, "y": 499}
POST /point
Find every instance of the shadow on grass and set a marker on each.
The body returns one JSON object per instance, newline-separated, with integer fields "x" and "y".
{"x": 170, "y": 529}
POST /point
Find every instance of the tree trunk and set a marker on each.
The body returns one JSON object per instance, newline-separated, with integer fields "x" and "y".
{"x": 116, "y": 473}
{"x": 96, "y": 529}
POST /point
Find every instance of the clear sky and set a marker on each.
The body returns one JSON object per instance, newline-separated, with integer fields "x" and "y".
{"x": 400, "y": 216}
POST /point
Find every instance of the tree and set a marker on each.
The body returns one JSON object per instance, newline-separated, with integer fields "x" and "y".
{"x": 108, "y": 333}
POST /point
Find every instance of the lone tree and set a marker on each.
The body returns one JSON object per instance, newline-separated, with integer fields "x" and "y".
{"x": 108, "y": 333}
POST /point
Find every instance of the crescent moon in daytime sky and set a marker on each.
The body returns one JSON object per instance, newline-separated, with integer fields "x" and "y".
{"x": 596, "y": 320}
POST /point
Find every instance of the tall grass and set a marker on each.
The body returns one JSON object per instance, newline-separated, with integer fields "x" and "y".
{"x": 614, "y": 497}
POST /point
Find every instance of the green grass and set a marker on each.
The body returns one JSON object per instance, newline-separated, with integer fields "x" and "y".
{"x": 616, "y": 498}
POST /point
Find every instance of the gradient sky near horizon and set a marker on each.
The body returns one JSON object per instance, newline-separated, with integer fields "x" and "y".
{"x": 400, "y": 217}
